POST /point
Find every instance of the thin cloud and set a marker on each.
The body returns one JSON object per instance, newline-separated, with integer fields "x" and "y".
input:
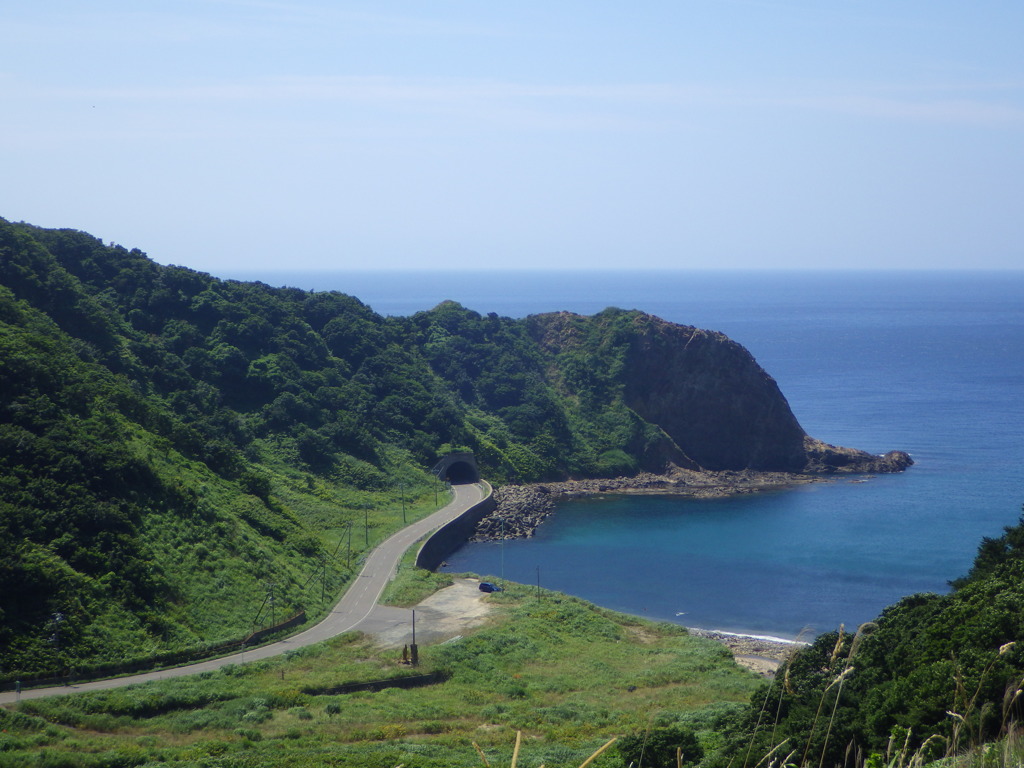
{"x": 981, "y": 104}
{"x": 966, "y": 111}
{"x": 894, "y": 103}
{"x": 566, "y": 106}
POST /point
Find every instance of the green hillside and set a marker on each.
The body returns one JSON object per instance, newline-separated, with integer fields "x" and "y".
{"x": 184, "y": 459}
{"x": 161, "y": 488}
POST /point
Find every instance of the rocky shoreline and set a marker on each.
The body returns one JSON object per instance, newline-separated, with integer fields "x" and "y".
{"x": 763, "y": 655}
{"x": 522, "y": 508}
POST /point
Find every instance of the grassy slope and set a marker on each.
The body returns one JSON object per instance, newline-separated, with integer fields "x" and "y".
{"x": 568, "y": 674}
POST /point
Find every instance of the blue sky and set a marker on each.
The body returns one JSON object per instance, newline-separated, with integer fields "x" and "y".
{"x": 231, "y": 135}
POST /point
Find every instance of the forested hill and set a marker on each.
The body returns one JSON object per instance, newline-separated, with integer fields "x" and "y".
{"x": 172, "y": 443}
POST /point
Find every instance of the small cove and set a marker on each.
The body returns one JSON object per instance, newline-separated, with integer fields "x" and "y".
{"x": 732, "y": 564}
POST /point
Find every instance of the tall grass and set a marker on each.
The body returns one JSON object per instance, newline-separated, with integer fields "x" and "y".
{"x": 964, "y": 747}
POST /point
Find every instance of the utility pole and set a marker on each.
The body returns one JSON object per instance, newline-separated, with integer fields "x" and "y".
{"x": 414, "y": 649}
{"x": 401, "y": 487}
{"x": 366, "y": 515}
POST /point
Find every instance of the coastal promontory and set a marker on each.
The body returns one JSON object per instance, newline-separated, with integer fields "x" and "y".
{"x": 714, "y": 407}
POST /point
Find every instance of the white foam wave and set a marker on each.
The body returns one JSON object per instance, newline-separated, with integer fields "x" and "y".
{"x": 766, "y": 638}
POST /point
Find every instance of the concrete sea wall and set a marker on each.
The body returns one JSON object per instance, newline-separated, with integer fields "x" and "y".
{"x": 453, "y": 535}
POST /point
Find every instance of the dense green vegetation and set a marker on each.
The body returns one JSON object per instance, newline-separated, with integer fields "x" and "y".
{"x": 181, "y": 457}
{"x": 935, "y": 674}
{"x": 567, "y": 674}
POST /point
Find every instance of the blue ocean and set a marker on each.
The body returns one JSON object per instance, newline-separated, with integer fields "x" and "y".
{"x": 929, "y": 363}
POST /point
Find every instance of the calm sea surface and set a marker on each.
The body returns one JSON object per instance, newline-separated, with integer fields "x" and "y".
{"x": 928, "y": 363}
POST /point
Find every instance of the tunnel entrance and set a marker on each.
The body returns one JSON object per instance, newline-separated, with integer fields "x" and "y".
{"x": 461, "y": 473}
{"x": 458, "y": 469}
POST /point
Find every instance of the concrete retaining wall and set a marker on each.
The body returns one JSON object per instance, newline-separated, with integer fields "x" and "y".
{"x": 450, "y": 537}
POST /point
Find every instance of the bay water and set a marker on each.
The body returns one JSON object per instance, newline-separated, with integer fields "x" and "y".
{"x": 927, "y": 362}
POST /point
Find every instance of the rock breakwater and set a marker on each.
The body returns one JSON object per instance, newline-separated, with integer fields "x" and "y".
{"x": 522, "y": 508}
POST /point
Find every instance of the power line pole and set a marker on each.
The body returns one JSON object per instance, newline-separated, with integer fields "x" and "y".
{"x": 273, "y": 618}
{"x": 414, "y": 649}
{"x": 348, "y": 552}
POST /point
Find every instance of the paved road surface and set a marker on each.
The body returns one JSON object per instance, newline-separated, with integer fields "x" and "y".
{"x": 351, "y": 612}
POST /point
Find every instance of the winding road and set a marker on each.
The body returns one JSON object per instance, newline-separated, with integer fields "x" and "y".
{"x": 355, "y": 609}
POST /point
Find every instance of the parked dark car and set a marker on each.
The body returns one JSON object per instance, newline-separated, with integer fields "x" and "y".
{"x": 486, "y": 586}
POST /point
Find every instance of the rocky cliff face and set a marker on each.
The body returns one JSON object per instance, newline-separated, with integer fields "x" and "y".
{"x": 710, "y": 395}
{"x": 718, "y": 408}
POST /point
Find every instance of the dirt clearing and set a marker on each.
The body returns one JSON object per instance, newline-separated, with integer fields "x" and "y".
{"x": 447, "y": 613}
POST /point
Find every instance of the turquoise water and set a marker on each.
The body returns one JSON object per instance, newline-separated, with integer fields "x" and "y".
{"x": 929, "y": 363}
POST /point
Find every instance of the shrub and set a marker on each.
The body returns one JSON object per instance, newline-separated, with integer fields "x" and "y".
{"x": 657, "y": 747}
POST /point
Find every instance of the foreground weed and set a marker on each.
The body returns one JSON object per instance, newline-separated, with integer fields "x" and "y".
{"x": 519, "y": 741}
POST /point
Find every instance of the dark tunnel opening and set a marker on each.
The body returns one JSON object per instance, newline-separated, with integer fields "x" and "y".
{"x": 461, "y": 473}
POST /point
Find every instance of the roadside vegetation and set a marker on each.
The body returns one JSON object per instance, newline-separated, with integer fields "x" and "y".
{"x": 567, "y": 674}
{"x": 411, "y": 584}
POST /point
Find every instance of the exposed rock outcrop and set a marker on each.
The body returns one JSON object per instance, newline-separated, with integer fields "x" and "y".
{"x": 717, "y": 409}
{"x": 825, "y": 458}
{"x": 712, "y": 398}
{"x": 720, "y": 426}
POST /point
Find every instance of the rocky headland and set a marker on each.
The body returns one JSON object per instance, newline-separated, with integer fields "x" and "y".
{"x": 706, "y": 403}
{"x": 715, "y": 420}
